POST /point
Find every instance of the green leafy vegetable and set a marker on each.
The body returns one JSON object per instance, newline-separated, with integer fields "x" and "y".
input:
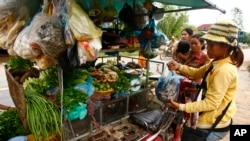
{"x": 19, "y": 63}
{"x": 48, "y": 78}
{"x": 123, "y": 83}
{"x": 11, "y": 125}
{"x": 72, "y": 97}
{"x": 77, "y": 76}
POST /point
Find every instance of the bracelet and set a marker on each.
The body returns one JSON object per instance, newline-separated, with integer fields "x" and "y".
{"x": 181, "y": 107}
{"x": 179, "y": 67}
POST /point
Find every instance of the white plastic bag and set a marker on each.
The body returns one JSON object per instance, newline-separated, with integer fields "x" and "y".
{"x": 168, "y": 86}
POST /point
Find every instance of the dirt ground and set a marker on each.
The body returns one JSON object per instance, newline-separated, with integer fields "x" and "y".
{"x": 243, "y": 95}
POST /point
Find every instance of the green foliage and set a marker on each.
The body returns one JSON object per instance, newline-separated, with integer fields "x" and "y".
{"x": 123, "y": 83}
{"x": 17, "y": 62}
{"x": 74, "y": 77}
{"x": 72, "y": 97}
{"x": 11, "y": 125}
{"x": 173, "y": 23}
{"x": 246, "y": 38}
{"x": 237, "y": 17}
{"x": 47, "y": 79}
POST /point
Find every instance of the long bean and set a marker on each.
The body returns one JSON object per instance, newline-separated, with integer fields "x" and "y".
{"x": 43, "y": 116}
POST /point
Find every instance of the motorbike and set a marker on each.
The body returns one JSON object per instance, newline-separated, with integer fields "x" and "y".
{"x": 166, "y": 52}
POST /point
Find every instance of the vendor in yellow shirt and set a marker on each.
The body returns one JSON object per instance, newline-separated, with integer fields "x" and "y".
{"x": 221, "y": 81}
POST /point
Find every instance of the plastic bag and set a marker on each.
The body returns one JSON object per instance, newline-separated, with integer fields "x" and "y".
{"x": 25, "y": 44}
{"x": 126, "y": 15}
{"x": 96, "y": 12}
{"x": 168, "y": 86}
{"x": 68, "y": 35}
{"x": 69, "y": 60}
{"x": 80, "y": 24}
{"x": 87, "y": 87}
{"x": 110, "y": 12}
{"x": 80, "y": 111}
{"x": 51, "y": 38}
{"x": 156, "y": 37}
{"x": 22, "y": 46}
{"x": 13, "y": 17}
{"x": 148, "y": 52}
{"x": 88, "y": 51}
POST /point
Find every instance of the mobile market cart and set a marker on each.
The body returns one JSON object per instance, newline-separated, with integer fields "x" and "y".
{"x": 61, "y": 34}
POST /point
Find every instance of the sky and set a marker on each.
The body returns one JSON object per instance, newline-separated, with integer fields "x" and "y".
{"x": 208, "y": 16}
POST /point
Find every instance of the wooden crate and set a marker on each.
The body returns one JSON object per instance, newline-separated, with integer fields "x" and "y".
{"x": 17, "y": 94}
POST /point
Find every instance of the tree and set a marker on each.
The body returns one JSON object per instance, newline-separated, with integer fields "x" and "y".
{"x": 172, "y": 23}
{"x": 237, "y": 17}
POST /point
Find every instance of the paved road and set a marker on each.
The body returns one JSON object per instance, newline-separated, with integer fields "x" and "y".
{"x": 4, "y": 91}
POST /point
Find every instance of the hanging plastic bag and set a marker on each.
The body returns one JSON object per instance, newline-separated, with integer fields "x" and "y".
{"x": 69, "y": 60}
{"x": 149, "y": 30}
{"x": 13, "y": 17}
{"x": 88, "y": 51}
{"x": 51, "y": 38}
{"x": 110, "y": 12}
{"x": 148, "y": 52}
{"x": 167, "y": 86}
{"x": 156, "y": 37}
{"x": 22, "y": 46}
{"x": 80, "y": 24}
{"x": 96, "y": 12}
{"x": 68, "y": 35}
{"x": 126, "y": 15}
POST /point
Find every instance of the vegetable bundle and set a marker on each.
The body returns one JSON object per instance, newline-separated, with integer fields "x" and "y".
{"x": 43, "y": 116}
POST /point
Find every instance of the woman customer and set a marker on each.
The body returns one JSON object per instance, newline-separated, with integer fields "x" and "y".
{"x": 221, "y": 82}
{"x": 195, "y": 58}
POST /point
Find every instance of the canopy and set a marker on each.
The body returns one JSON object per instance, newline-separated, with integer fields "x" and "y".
{"x": 192, "y": 4}
{"x": 187, "y": 4}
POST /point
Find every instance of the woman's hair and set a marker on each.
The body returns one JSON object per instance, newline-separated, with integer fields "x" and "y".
{"x": 183, "y": 46}
{"x": 236, "y": 55}
{"x": 202, "y": 41}
{"x": 189, "y": 31}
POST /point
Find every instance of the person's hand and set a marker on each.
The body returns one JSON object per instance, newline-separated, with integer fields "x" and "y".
{"x": 172, "y": 104}
{"x": 173, "y": 65}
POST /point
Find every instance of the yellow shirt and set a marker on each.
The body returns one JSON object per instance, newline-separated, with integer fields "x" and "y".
{"x": 222, "y": 85}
